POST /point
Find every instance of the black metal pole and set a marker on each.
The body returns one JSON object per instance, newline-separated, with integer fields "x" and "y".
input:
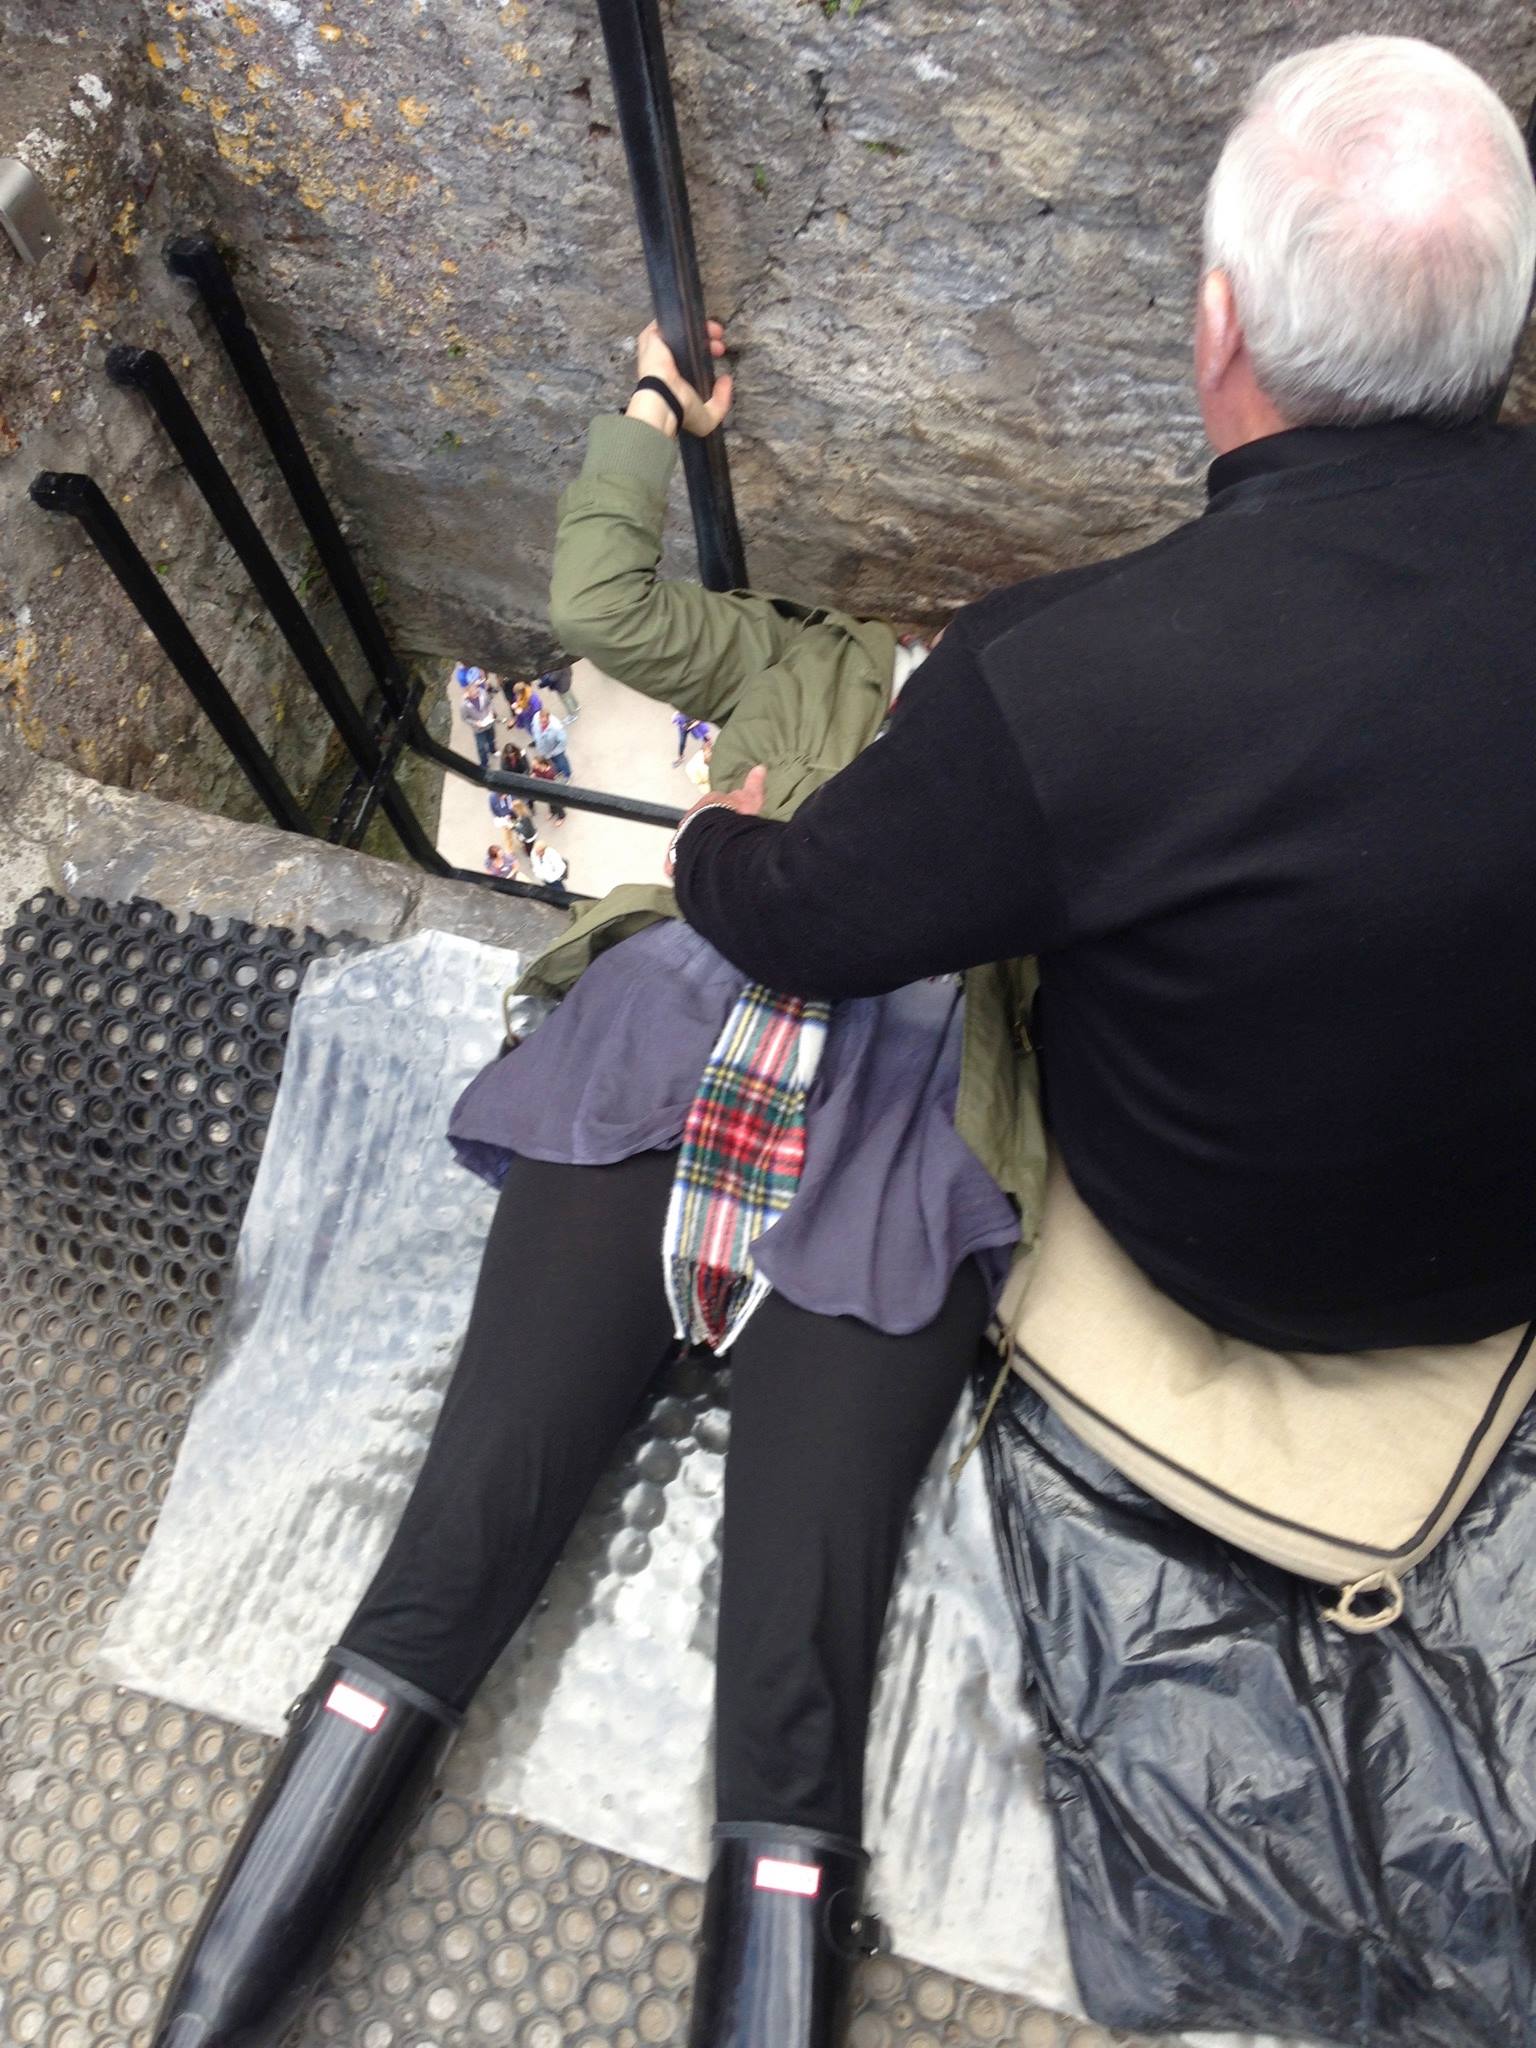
{"x": 554, "y": 893}
{"x": 82, "y": 499}
{"x": 197, "y": 258}
{"x": 642, "y": 90}
{"x": 146, "y": 371}
{"x": 634, "y": 810}
{"x": 359, "y": 801}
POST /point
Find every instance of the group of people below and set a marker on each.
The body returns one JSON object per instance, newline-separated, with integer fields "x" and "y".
{"x": 536, "y": 745}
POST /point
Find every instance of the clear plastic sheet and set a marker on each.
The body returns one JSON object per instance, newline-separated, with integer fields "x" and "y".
{"x": 355, "y": 1268}
{"x": 1262, "y": 1820}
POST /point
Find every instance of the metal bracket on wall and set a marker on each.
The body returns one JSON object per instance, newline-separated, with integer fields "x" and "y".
{"x": 26, "y": 211}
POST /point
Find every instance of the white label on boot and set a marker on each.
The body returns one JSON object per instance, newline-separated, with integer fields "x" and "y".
{"x": 353, "y": 1705}
{"x": 774, "y": 1876}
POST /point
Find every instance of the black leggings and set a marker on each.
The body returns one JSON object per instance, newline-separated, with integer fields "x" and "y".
{"x": 832, "y": 1426}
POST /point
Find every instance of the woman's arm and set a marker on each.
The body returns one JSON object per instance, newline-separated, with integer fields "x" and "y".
{"x": 689, "y": 647}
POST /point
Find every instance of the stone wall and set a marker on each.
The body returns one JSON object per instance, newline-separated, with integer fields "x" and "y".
{"x": 80, "y": 679}
{"x": 955, "y": 246}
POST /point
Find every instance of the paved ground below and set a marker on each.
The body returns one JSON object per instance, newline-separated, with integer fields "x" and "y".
{"x": 621, "y": 742}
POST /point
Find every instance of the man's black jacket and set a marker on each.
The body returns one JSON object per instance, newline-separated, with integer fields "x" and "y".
{"x": 1260, "y": 798}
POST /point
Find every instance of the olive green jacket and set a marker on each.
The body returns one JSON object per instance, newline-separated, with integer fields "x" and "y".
{"x": 799, "y": 690}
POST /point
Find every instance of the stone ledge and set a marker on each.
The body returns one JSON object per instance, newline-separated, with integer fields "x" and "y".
{"x": 87, "y": 839}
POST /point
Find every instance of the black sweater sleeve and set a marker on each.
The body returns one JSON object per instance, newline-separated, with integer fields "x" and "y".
{"x": 927, "y": 854}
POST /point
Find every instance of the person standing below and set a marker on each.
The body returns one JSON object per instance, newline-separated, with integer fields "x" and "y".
{"x": 557, "y": 683}
{"x": 545, "y": 771}
{"x": 479, "y": 714}
{"x": 549, "y": 738}
{"x": 549, "y": 867}
{"x": 689, "y": 729}
{"x": 499, "y": 862}
{"x": 525, "y": 704}
{"x": 503, "y": 808}
{"x": 522, "y": 825}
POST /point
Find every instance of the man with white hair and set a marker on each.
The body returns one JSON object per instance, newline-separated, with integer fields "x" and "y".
{"x": 1258, "y": 796}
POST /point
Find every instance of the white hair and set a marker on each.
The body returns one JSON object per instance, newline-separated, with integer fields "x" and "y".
{"x": 1375, "y": 213}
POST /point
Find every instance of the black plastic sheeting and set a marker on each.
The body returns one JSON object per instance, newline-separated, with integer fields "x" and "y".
{"x": 1265, "y": 1823}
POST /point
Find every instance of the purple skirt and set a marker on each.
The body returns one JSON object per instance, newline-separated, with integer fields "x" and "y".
{"x": 891, "y": 1200}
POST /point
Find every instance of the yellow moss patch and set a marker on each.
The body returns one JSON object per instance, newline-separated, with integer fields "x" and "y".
{"x": 13, "y": 672}
{"x": 413, "y": 111}
{"x": 389, "y": 190}
{"x": 328, "y": 32}
{"x": 155, "y": 55}
{"x": 260, "y": 77}
{"x": 450, "y": 266}
{"x": 355, "y": 115}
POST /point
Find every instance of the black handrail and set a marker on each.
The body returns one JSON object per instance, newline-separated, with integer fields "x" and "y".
{"x": 83, "y": 499}
{"x": 642, "y": 91}
{"x": 198, "y": 259}
{"x": 637, "y": 57}
{"x": 146, "y": 371}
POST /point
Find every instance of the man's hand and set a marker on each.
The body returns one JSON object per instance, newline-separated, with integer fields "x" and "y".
{"x": 747, "y": 801}
{"x": 654, "y": 359}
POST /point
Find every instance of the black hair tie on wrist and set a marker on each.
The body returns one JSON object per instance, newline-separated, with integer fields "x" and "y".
{"x": 663, "y": 391}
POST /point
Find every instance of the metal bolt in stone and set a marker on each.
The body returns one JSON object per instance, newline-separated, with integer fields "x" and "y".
{"x": 26, "y": 212}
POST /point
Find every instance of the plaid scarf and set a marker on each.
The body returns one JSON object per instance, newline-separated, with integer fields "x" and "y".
{"x": 740, "y": 1162}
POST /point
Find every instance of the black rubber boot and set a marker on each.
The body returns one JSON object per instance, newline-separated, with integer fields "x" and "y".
{"x": 360, "y": 1755}
{"x": 784, "y": 1923}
